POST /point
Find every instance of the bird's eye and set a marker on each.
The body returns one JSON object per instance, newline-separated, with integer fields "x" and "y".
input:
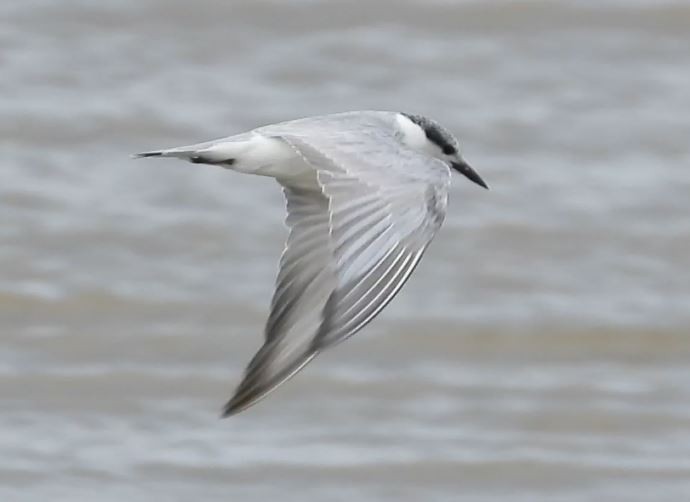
{"x": 449, "y": 149}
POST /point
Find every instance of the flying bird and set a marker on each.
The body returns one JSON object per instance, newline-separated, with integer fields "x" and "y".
{"x": 365, "y": 192}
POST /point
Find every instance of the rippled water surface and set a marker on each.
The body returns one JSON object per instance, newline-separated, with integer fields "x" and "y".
{"x": 541, "y": 352}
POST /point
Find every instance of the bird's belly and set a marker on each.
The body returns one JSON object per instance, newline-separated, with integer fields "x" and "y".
{"x": 272, "y": 157}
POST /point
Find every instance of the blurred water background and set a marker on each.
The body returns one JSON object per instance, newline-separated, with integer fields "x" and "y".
{"x": 541, "y": 352}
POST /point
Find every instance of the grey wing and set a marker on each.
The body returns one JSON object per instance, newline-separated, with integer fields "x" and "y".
{"x": 354, "y": 240}
{"x": 305, "y": 281}
{"x": 382, "y": 218}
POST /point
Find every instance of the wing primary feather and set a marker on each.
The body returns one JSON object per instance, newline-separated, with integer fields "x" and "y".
{"x": 302, "y": 287}
{"x": 374, "y": 307}
{"x": 253, "y": 390}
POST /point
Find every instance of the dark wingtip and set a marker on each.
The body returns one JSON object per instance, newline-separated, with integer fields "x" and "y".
{"x": 200, "y": 159}
{"x": 245, "y": 395}
{"x": 229, "y": 410}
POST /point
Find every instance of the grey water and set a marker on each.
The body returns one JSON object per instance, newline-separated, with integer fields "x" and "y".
{"x": 541, "y": 351}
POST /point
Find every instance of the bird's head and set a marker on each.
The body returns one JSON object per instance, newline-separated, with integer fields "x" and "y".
{"x": 423, "y": 134}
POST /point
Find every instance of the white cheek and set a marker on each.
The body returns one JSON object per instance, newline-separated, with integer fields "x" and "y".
{"x": 414, "y": 136}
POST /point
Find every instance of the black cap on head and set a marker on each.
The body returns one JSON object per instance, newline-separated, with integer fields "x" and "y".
{"x": 435, "y": 133}
{"x": 448, "y": 145}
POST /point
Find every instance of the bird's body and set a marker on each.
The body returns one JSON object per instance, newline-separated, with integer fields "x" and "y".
{"x": 365, "y": 193}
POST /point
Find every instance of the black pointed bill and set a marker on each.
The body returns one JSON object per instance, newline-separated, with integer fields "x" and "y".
{"x": 464, "y": 168}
